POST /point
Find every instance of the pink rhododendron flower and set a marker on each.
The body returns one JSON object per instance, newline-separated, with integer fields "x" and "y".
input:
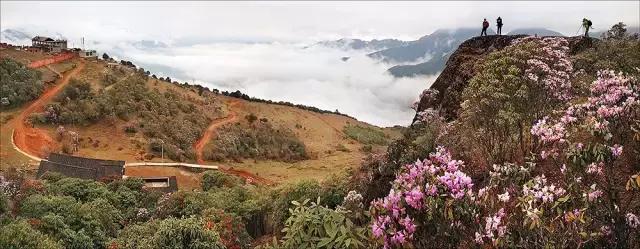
{"x": 632, "y": 220}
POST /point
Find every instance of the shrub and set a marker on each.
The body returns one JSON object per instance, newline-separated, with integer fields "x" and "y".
{"x": 109, "y": 79}
{"x": 20, "y": 235}
{"x": 230, "y": 227}
{"x": 251, "y": 118}
{"x": 19, "y": 83}
{"x": 514, "y": 87}
{"x": 366, "y": 135}
{"x": 216, "y": 179}
{"x": 185, "y": 233}
{"x": 341, "y": 147}
{"x": 169, "y": 233}
{"x": 260, "y": 141}
{"x": 315, "y": 226}
{"x": 367, "y": 148}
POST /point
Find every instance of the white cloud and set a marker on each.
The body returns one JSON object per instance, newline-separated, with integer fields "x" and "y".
{"x": 315, "y": 76}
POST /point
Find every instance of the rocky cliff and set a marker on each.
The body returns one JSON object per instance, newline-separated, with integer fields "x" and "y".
{"x": 461, "y": 67}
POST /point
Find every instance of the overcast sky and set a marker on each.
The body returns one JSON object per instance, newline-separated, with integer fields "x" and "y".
{"x": 299, "y": 21}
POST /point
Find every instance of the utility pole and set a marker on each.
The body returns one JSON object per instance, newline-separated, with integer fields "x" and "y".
{"x": 162, "y": 149}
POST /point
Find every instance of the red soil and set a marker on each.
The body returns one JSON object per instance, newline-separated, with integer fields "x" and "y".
{"x": 31, "y": 140}
{"x": 210, "y": 132}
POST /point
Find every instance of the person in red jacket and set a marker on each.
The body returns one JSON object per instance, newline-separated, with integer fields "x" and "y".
{"x": 485, "y": 26}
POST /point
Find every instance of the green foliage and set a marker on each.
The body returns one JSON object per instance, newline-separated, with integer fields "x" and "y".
{"x": 20, "y": 235}
{"x": 366, "y": 135}
{"x": 331, "y": 192}
{"x": 185, "y": 233}
{"x": 135, "y": 236}
{"x": 19, "y": 84}
{"x": 169, "y": 233}
{"x": 167, "y": 116}
{"x": 502, "y": 101}
{"x": 316, "y": 226}
{"x": 621, "y": 54}
{"x": 4, "y": 204}
{"x": 230, "y": 228}
{"x": 259, "y": 140}
{"x": 216, "y": 179}
{"x": 74, "y": 224}
{"x": 81, "y": 190}
{"x": 236, "y": 200}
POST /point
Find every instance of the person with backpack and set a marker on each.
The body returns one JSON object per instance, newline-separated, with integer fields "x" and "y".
{"x": 499, "y": 25}
{"x": 485, "y": 26}
{"x": 586, "y": 24}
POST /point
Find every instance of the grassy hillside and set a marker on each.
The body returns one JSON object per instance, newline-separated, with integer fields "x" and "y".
{"x": 121, "y": 113}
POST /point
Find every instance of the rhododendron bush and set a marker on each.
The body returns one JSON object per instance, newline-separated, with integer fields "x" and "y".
{"x": 433, "y": 195}
{"x": 512, "y": 88}
{"x": 562, "y": 161}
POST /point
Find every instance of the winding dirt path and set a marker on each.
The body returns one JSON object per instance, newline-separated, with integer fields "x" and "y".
{"x": 31, "y": 140}
{"x": 211, "y": 130}
{"x": 209, "y": 134}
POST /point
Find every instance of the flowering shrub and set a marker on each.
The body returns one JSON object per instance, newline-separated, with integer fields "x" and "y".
{"x": 514, "y": 87}
{"x": 568, "y": 194}
{"x": 434, "y": 186}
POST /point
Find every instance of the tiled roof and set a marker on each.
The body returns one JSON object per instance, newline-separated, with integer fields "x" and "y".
{"x": 81, "y": 167}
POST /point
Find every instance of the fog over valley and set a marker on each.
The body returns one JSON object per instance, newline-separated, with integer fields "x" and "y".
{"x": 315, "y": 76}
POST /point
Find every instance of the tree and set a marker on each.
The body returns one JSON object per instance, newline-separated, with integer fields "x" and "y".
{"x": 618, "y": 31}
{"x": 19, "y": 83}
{"x": 216, "y": 179}
{"x": 105, "y": 56}
{"x": 19, "y": 235}
{"x": 185, "y": 233}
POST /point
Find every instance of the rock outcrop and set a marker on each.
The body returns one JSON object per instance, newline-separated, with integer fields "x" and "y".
{"x": 461, "y": 67}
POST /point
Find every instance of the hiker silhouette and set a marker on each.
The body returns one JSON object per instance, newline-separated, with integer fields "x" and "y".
{"x": 586, "y": 24}
{"x": 499, "y": 25}
{"x": 485, "y": 26}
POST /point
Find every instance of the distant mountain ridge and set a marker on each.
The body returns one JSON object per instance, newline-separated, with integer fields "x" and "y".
{"x": 15, "y": 36}
{"x": 427, "y": 55}
{"x": 359, "y": 44}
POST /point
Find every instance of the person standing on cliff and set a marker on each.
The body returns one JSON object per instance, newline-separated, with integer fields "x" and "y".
{"x": 586, "y": 24}
{"x": 499, "y": 25}
{"x": 485, "y": 26}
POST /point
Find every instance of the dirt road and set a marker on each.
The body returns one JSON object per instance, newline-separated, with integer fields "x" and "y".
{"x": 31, "y": 140}
{"x": 209, "y": 134}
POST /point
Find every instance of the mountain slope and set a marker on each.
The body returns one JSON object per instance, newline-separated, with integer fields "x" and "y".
{"x": 15, "y": 36}
{"x": 133, "y": 138}
{"x": 426, "y": 55}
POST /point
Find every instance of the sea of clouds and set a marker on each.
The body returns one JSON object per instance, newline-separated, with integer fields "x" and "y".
{"x": 310, "y": 75}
